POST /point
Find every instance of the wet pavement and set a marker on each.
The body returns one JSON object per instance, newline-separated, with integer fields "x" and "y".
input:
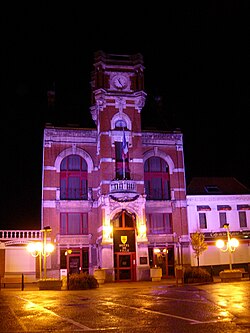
{"x": 136, "y": 307}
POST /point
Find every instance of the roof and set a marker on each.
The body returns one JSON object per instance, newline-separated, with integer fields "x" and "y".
{"x": 216, "y": 186}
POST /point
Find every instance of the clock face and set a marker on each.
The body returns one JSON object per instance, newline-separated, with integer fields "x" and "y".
{"x": 120, "y": 81}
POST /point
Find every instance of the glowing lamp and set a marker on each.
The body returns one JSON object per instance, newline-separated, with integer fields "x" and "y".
{"x": 107, "y": 231}
{"x": 234, "y": 242}
{"x": 220, "y": 244}
{"x": 230, "y": 245}
{"x": 142, "y": 230}
{"x": 49, "y": 248}
{"x": 34, "y": 248}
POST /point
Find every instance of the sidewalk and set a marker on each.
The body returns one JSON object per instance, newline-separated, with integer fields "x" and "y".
{"x": 163, "y": 282}
{"x": 142, "y": 284}
{"x": 171, "y": 282}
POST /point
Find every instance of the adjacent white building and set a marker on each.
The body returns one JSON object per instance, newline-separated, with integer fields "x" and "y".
{"x": 212, "y": 203}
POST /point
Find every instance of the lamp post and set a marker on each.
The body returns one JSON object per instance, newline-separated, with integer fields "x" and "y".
{"x": 41, "y": 249}
{"x": 230, "y": 245}
{"x": 47, "y": 249}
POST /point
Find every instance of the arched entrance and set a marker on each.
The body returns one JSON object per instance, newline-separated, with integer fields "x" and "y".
{"x": 124, "y": 232}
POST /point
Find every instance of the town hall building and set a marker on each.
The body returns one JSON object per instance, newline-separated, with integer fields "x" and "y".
{"x": 114, "y": 195}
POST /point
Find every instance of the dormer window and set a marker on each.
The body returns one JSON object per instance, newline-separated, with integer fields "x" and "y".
{"x": 212, "y": 189}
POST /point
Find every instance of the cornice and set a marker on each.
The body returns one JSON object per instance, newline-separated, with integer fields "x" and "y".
{"x": 161, "y": 138}
{"x": 69, "y": 135}
{"x": 218, "y": 198}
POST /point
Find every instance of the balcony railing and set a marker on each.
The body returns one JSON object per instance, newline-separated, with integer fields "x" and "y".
{"x": 123, "y": 186}
{"x": 20, "y": 234}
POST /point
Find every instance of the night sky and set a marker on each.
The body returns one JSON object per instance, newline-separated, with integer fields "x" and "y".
{"x": 196, "y": 79}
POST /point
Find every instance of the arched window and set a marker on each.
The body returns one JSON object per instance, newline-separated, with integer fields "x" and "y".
{"x": 120, "y": 124}
{"x": 156, "y": 179}
{"x": 73, "y": 178}
{"x": 123, "y": 220}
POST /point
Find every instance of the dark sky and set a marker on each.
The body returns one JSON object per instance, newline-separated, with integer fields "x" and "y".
{"x": 196, "y": 58}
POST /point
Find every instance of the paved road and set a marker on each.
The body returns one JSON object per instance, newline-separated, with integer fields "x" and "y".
{"x": 139, "y": 307}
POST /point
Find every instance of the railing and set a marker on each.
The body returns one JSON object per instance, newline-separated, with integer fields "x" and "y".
{"x": 20, "y": 234}
{"x": 123, "y": 186}
{"x": 14, "y": 280}
{"x": 73, "y": 239}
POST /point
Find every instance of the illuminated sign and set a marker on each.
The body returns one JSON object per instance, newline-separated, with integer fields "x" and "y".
{"x": 124, "y": 240}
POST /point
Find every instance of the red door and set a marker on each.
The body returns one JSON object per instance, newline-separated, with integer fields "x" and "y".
{"x": 124, "y": 246}
{"x": 74, "y": 264}
{"x": 125, "y": 267}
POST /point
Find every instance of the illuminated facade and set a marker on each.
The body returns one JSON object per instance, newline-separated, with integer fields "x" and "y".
{"x": 115, "y": 195}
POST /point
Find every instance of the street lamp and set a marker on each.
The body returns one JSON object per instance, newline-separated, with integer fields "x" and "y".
{"x": 41, "y": 249}
{"x": 230, "y": 245}
{"x": 47, "y": 249}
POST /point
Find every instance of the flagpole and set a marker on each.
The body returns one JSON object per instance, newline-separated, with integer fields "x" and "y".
{"x": 123, "y": 156}
{"x": 124, "y": 153}
{"x": 123, "y": 166}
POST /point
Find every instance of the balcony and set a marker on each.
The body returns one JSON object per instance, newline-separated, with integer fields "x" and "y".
{"x": 122, "y": 186}
{"x": 123, "y": 190}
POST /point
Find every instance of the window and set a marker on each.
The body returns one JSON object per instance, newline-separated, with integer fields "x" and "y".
{"x": 224, "y": 207}
{"x": 243, "y": 219}
{"x": 123, "y": 220}
{"x": 122, "y": 162}
{"x": 74, "y": 224}
{"x": 73, "y": 178}
{"x": 243, "y": 207}
{"x": 159, "y": 223}
{"x": 156, "y": 179}
{"x": 212, "y": 189}
{"x": 119, "y": 124}
{"x": 223, "y": 219}
{"x": 203, "y": 208}
{"x": 203, "y": 220}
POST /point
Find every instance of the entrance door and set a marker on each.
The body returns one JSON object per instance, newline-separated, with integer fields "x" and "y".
{"x": 163, "y": 258}
{"x": 74, "y": 260}
{"x": 124, "y": 232}
{"x": 124, "y": 266}
{"x": 74, "y": 264}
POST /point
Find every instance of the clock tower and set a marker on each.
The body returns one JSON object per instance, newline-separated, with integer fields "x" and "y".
{"x": 117, "y": 100}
